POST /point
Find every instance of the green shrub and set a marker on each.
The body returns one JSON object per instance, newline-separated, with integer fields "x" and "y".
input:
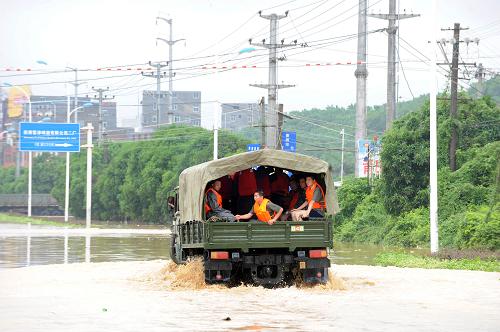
{"x": 367, "y": 224}
{"x": 409, "y": 230}
{"x": 408, "y": 260}
{"x": 471, "y": 229}
{"x": 351, "y": 193}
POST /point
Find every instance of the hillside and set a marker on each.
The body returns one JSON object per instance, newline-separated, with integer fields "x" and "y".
{"x": 320, "y": 135}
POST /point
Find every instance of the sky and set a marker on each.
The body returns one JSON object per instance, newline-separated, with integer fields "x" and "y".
{"x": 94, "y": 34}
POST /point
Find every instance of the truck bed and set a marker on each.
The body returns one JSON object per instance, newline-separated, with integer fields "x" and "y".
{"x": 254, "y": 234}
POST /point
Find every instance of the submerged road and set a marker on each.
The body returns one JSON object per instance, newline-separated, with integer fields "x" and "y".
{"x": 158, "y": 296}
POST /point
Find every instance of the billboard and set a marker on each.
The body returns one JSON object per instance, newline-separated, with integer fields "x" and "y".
{"x": 17, "y": 99}
{"x": 368, "y": 158}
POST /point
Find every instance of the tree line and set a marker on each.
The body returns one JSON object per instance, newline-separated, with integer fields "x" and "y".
{"x": 131, "y": 180}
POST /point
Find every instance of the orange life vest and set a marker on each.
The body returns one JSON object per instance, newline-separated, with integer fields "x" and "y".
{"x": 219, "y": 199}
{"x": 310, "y": 194}
{"x": 261, "y": 211}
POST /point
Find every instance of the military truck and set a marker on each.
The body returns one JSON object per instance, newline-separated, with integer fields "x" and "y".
{"x": 254, "y": 251}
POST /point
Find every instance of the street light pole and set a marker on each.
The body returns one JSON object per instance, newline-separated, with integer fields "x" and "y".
{"x": 89, "y": 147}
{"x": 170, "y": 43}
{"x": 66, "y": 193}
{"x": 342, "y": 158}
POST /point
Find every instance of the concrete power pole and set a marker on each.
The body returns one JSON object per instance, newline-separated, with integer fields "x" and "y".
{"x": 158, "y": 75}
{"x": 272, "y": 87}
{"x": 392, "y": 17}
{"x": 480, "y": 74}
{"x": 171, "y": 75}
{"x": 454, "y": 95}
{"x": 75, "y": 84}
{"x": 262, "y": 109}
{"x": 361, "y": 74}
{"x": 100, "y": 98}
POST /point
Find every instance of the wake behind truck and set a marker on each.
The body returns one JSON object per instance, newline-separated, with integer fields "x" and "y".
{"x": 255, "y": 252}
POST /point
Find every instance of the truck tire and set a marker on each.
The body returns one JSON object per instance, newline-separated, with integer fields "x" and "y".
{"x": 173, "y": 250}
{"x": 267, "y": 281}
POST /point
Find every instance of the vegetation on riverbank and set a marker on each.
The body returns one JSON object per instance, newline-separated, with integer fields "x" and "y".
{"x": 131, "y": 179}
{"x": 394, "y": 210}
{"x": 16, "y": 219}
{"x": 428, "y": 262}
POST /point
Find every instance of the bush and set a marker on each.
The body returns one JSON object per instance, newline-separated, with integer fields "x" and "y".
{"x": 409, "y": 230}
{"x": 351, "y": 193}
{"x": 472, "y": 229}
{"x": 367, "y": 224}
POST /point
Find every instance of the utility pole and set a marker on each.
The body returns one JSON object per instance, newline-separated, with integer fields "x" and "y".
{"x": 361, "y": 74}
{"x": 272, "y": 87}
{"x": 262, "y": 108}
{"x": 171, "y": 75}
{"x": 480, "y": 74}
{"x": 75, "y": 84}
{"x": 392, "y": 17}
{"x": 433, "y": 153}
{"x": 89, "y": 146}
{"x": 342, "y": 133}
{"x": 280, "y": 124}
{"x": 454, "y": 95}
{"x": 158, "y": 75}
{"x": 100, "y": 130}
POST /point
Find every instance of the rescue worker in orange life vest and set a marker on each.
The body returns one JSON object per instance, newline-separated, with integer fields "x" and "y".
{"x": 263, "y": 208}
{"x": 213, "y": 203}
{"x": 315, "y": 202}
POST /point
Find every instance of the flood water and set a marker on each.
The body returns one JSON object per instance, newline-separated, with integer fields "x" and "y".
{"x": 138, "y": 288}
{"x": 122, "y": 247}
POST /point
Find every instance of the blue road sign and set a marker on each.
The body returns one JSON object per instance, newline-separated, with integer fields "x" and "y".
{"x": 289, "y": 141}
{"x": 253, "y": 147}
{"x": 49, "y": 137}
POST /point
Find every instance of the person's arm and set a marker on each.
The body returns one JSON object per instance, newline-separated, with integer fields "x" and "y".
{"x": 274, "y": 208}
{"x": 303, "y": 205}
{"x": 244, "y": 216}
{"x": 276, "y": 217}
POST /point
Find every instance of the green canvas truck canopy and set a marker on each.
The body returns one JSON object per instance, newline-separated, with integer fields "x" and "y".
{"x": 193, "y": 180}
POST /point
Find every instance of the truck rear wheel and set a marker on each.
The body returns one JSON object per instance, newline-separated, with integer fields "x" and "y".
{"x": 268, "y": 276}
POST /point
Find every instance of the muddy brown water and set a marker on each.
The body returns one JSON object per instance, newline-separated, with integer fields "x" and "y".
{"x": 132, "y": 287}
{"x": 45, "y": 250}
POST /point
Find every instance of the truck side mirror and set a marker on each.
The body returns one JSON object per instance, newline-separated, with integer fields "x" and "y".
{"x": 171, "y": 204}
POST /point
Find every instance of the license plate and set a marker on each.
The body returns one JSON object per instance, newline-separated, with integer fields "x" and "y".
{"x": 297, "y": 228}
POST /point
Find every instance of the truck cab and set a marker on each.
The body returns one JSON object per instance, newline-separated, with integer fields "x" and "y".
{"x": 253, "y": 251}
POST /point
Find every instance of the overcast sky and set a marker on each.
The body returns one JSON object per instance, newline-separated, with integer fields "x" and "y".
{"x": 95, "y": 34}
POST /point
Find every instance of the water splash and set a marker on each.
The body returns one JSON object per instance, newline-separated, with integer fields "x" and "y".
{"x": 190, "y": 276}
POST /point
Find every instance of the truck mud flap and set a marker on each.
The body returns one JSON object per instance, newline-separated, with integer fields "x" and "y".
{"x": 217, "y": 271}
{"x": 315, "y": 276}
{"x": 315, "y": 271}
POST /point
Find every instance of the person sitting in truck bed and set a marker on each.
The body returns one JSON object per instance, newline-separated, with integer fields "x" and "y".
{"x": 263, "y": 208}
{"x": 297, "y": 196}
{"x": 213, "y": 204}
{"x": 315, "y": 202}
{"x": 279, "y": 187}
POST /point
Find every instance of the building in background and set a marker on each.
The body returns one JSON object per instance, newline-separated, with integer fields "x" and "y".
{"x": 51, "y": 109}
{"x": 54, "y": 108}
{"x": 186, "y": 108}
{"x": 237, "y": 116}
